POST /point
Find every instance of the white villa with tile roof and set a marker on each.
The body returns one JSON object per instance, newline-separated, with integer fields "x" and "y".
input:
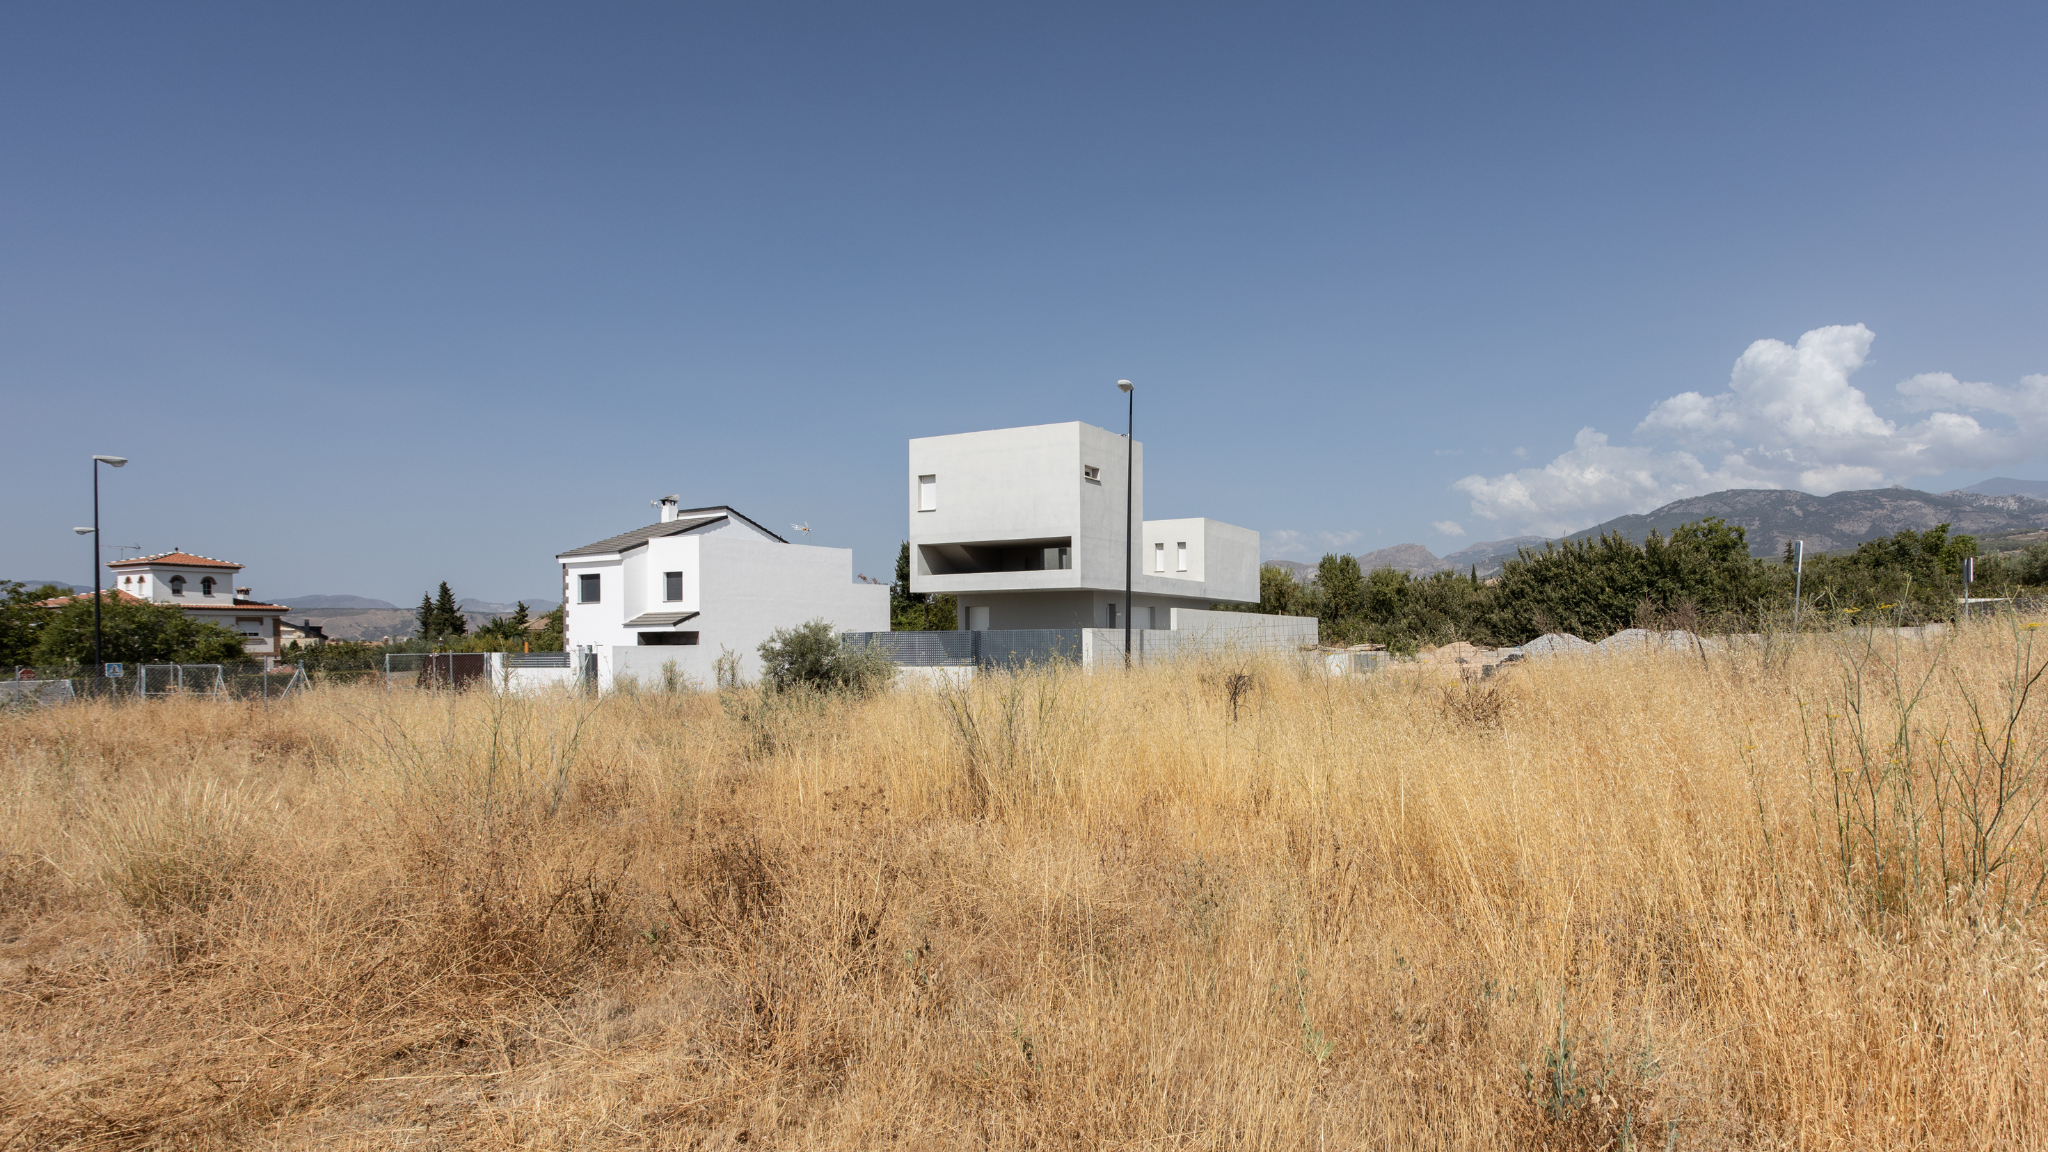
{"x": 204, "y": 588}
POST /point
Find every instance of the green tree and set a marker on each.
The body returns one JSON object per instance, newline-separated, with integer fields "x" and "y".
{"x": 1918, "y": 575}
{"x": 553, "y": 635}
{"x": 1342, "y": 597}
{"x": 918, "y": 611}
{"x": 812, "y": 656}
{"x": 22, "y": 617}
{"x": 1280, "y": 594}
{"x": 1595, "y": 588}
{"x": 502, "y": 634}
{"x": 428, "y": 626}
{"x": 447, "y": 616}
{"x": 134, "y": 632}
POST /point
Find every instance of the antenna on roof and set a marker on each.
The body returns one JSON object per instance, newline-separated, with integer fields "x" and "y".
{"x": 804, "y": 528}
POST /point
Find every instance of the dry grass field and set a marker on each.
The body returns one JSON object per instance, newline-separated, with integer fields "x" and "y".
{"x": 1737, "y": 900}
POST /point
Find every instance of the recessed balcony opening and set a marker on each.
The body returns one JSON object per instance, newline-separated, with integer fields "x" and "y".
{"x": 998, "y": 556}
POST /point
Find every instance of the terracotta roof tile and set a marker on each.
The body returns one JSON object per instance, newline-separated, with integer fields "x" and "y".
{"x": 61, "y": 601}
{"x": 181, "y": 559}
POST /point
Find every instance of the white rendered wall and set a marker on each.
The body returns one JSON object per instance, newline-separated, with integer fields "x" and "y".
{"x": 1071, "y": 609}
{"x": 1024, "y": 484}
{"x": 745, "y": 588}
{"x": 155, "y": 584}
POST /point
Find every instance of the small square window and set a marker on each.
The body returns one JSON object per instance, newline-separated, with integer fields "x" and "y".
{"x": 587, "y": 588}
{"x": 672, "y": 586}
{"x": 928, "y": 493}
{"x": 1091, "y": 472}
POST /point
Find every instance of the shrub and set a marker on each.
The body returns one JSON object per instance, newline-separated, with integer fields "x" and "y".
{"x": 811, "y": 656}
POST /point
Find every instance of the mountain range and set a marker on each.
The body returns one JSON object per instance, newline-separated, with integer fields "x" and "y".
{"x": 345, "y": 617}
{"x": 1999, "y": 507}
{"x": 1838, "y": 522}
{"x": 466, "y": 604}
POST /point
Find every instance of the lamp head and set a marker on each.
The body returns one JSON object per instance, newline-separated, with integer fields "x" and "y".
{"x": 1124, "y": 385}
{"x": 85, "y": 531}
{"x": 116, "y": 461}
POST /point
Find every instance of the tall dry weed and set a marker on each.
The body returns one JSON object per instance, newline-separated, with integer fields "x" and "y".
{"x": 1783, "y": 896}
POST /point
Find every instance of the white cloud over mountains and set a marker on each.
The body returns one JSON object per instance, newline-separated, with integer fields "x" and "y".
{"x": 1789, "y": 419}
{"x": 1284, "y": 543}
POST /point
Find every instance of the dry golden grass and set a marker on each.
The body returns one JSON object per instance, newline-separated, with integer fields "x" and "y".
{"x": 1668, "y": 901}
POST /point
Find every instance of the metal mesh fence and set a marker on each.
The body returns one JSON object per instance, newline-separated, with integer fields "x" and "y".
{"x": 193, "y": 679}
{"x": 991, "y": 648}
{"x": 33, "y": 693}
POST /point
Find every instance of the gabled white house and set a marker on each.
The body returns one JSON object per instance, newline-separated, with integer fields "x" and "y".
{"x": 204, "y": 588}
{"x": 700, "y": 581}
{"x": 1025, "y": 526}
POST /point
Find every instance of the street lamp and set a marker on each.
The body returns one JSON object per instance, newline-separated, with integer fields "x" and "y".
{"x": 98, "y": 661}
{"x": 1130, "y": 456}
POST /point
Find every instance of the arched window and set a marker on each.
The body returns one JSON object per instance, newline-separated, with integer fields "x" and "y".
{"x": 206, "y": 586}
{"x": 177, "y": 585}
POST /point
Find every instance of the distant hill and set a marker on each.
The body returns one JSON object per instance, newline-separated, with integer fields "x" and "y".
{"x": 1413, "y": 559}
{"x": 337, "y": 602}
{"x": 2012, "y": 512}
{"x": 1417, "y": 560}
{"x": 2007, "y": 486}
{"x": 59, "y": 583}
{"x": 362, "y": 618}
{"x": 1489, "y": 556}
{"x": 1772, "y": 516}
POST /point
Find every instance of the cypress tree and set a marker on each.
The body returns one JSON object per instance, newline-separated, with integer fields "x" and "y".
{"x": 427, "y": 619}
{"x": 447, "y": 617}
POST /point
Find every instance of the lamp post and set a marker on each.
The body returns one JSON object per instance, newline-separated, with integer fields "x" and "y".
{"x": 98, "y": 661}
{"x": 1130, "y": 466}
{"x": 1798, "y": 577}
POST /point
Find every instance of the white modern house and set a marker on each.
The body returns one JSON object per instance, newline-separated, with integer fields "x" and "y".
{"x": 698, "y": 582}
{"x": 1025, "y": 526}
{"x": 204, "y": 588}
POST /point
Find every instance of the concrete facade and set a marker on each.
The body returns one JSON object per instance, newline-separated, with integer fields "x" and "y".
{"x": 701, "y": 581}
{"x": 1025, "y": 526}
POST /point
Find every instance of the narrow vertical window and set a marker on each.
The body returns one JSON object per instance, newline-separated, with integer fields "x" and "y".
{"x": 587, "y": 588}
{"x": 206, "y": 586}
{"x": 1181, "y": 564}
{"x": 1159, "y": 557}
{"x": 928, "y": 493}
{"x": 1109, "y": 615}
{"x": 672, "y": 586}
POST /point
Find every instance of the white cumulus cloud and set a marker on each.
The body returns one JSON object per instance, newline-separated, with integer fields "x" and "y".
{"x": 1285, "y": 543}
{"x": 1448, "y": 527}
{"x": 1789, "y": 419}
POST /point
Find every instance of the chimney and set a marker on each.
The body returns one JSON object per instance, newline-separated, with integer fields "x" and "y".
{"x": 243, "y": 593}
{"x": 668, "y": 507}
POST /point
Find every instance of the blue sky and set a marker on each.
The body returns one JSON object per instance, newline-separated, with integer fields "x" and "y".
{"x": 377, "y": 296}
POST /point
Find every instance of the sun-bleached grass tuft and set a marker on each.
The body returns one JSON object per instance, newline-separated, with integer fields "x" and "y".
{"x": 1752, "y": 898}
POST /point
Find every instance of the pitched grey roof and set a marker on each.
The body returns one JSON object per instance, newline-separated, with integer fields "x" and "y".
{"x": 659, "y": 619}
{"x": 639, "y": 536}
{"x": 686, "y": 519}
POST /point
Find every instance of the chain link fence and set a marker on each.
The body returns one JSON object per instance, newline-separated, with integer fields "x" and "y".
{"x": 154, "y": 681}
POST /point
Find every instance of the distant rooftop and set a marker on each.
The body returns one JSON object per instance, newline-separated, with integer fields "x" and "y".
{"x": 181, "y": 559}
